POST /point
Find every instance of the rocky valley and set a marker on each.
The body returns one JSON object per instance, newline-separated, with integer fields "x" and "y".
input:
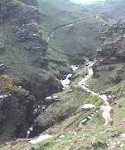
{"x": 62, "y": 77}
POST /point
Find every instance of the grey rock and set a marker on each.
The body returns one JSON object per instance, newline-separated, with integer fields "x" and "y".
{"x": 17, "y": 111}
{"x": 51, "y": 99}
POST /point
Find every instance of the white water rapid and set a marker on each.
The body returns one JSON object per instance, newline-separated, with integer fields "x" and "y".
{"x": 67, "y": 80}
{"x": 106, "y": 108}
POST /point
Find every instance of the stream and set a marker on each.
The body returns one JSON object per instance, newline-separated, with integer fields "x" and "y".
{"x": 41, "y": 110}
{"x": 66, "y": 82}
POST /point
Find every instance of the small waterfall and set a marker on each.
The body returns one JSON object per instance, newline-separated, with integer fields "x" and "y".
{"x": 37, "y": 111}
{"x": 67, "y": 80}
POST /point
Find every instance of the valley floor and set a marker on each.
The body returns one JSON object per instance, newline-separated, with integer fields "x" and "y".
{"x": 93, "y": 135}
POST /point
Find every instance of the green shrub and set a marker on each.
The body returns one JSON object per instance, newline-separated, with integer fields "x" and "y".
{"x": 6, "y": 83}
{"x": 102, "y": 21}
{"x": 9, "y": 130}
{"x": 95, "y": 100}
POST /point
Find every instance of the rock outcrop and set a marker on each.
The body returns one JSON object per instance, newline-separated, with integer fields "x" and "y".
{"x": 111, "y": 54}
{"x": 23, "y": 57}
{"x": 21, "y": 41}
{"x": 16, "y": 112}
{"x": 112, "y": 50}
{"x": 80, "y": 39}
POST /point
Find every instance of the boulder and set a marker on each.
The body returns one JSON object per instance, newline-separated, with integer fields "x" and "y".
{"x": 51, "y": 99}
{"x": 16, "y": 112}
{"x": 40, "y": 138}
{"x": 87, "y": 106}
{"x": 49, "y": 86}
{"x": 112, "y": 52}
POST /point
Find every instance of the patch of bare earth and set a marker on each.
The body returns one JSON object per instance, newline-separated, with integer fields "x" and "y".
{"x": 61, "y": 131}
{"x": 15, "y": 145}
{"x": 121, "y": 125}
{"x": 77, "y": 142}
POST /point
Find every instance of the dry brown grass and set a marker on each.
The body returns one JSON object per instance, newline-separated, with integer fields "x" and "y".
{"x": 6, "y": 83}
{"x": 121, "y": 124}
{"x": 61, "y": 131}
{"x": 15, "y": 145}
{"x": 79, "y": 141}
{"x": 16, "y": 2}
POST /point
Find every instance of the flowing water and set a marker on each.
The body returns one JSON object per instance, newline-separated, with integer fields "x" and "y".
{"x": 66, "y": 82}
{"x": 106, "y": 109}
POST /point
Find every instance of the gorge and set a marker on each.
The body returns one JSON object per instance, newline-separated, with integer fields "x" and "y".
{"x": 44, "y": 42}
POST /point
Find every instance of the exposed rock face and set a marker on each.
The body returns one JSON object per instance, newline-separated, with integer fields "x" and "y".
{"x": 112, "y": 52}
{"x": 27, "y": 18}
{"x": 80, "y": 39}
{"x": 27, "y": 29}
{"x": 16, "y": 112}
{"x": 4, "y": 8}
{"x": 22, "y": 41}
{"x": 49, "y": 86}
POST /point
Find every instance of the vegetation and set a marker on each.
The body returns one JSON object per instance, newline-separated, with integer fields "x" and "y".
{"x": 8, "y": 130}
{"x": 64, "y": 117}
{"x": 102, "y": 21}
{"x": 67, "y": 115}
{"x": 82, "y": 138}
{"x": 6, "y": 83}
{"x": 93, "y": 135}
{"x": 95, "y": 100}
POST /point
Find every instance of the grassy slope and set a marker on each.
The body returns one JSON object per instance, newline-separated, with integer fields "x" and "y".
{"x": 13, "y": 50}
{"x": 60, "y": 13}
{"x": 56, "y": 15}
{"x": 98, "y": 136}
{"x": 93, "y": 135}
{"x": 17, "y": 59}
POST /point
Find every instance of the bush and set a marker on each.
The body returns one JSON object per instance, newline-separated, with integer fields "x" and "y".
{"x": 6, "y": 83}
{"x": 102, "y": 21}
{"x": 9, "y": 130}
{"x": 95, "y": 100}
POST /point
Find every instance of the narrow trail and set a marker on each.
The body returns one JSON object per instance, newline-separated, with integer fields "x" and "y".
{"x": 82, "y": 83}
{"x": 65, "y": 25}
{"x": 106, "y": 108}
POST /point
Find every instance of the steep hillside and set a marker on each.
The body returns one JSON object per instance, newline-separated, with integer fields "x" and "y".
{"x": 39, "y": 41}
{"x": 23, "y": 51}
{"x": 66, "y": 115}
{"x": 24, "y": 75}
{"x": 70, "y": 28}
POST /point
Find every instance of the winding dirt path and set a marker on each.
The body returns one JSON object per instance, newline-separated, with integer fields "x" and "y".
{"x": 65, "y": 25}
{"x": 105, "y": 108}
